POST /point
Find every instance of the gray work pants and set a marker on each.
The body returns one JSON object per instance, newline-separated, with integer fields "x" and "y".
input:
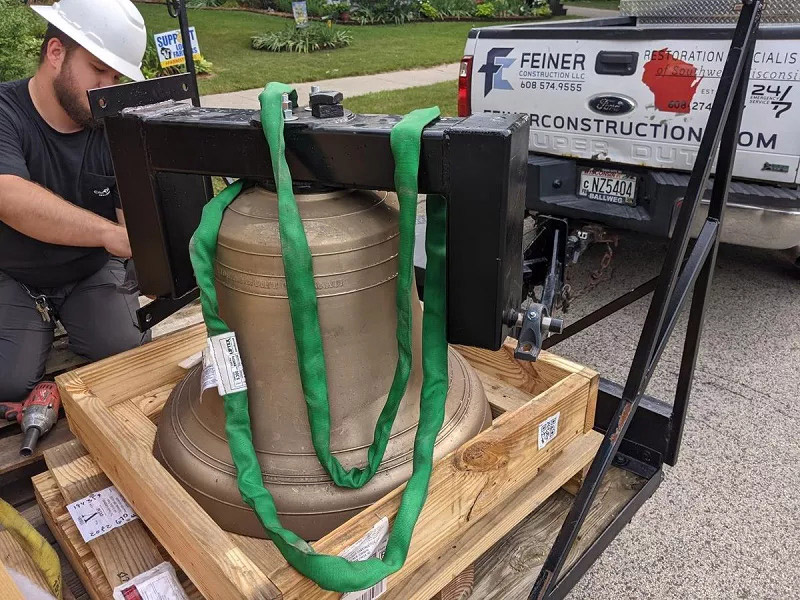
{"x": 99, "y": 320}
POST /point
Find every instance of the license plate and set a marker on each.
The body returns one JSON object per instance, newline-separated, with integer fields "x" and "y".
{"x": 608, "y": 186}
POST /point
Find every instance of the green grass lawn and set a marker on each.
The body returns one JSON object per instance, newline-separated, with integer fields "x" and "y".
{"x": 224, "y": 38}
{"x": 444, "y": 95}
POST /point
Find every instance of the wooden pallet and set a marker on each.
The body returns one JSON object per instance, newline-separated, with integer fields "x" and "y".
{"x": 473, "y": 501}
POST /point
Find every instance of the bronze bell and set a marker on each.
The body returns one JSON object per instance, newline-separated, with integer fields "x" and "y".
{"x": 354, "y": 240}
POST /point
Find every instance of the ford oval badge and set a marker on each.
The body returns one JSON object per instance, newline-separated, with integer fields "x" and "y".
{"x": 611, "y": 105}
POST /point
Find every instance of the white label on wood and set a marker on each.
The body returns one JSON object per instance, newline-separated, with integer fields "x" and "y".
{"x": 548, "y": 430}
{"x": 372, "y": 545}
{"x": 100, "y": 512}
{"x": 224, "y": 352}
{"x": 159, "y": 583}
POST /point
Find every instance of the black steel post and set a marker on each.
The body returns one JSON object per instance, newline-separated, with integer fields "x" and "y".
{"x": 183, "y": 21}
{"x": 557, "y": 8}
{"x": 716, "y": 212}
{"x": 727, "y": 96}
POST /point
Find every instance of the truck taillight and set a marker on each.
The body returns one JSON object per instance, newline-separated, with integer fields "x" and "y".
{"x": 464, "y": 87}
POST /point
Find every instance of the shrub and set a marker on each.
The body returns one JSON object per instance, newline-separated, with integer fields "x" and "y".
{"x": 426, "y": 9}
{"x": 21, "y": 35}
{"x": 385, "y": 11}
{"x": 484, "y": 10}
{"x": 453, "y": 8}
{"x": 315, "y": 8}
{"x": 315, "y": 36}
{"x": 541, "y": 8}
{"x": 336, "y": 10}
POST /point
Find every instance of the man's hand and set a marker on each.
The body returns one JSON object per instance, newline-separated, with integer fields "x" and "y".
{"x": 116, "y": 242}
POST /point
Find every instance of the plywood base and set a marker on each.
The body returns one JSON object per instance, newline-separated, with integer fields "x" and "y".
{"x": 477, "y": 494}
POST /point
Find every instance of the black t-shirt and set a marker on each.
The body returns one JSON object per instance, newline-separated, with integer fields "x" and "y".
{"x": 76, "y": 166}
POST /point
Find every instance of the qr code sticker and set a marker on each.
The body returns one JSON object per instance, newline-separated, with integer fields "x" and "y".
{"x": 548, "y": 430}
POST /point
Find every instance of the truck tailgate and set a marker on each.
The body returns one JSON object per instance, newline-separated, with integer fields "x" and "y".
{"x": 640, "y": 95}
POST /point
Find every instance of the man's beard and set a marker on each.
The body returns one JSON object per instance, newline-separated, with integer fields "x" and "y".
{"x": 69, "y": 97}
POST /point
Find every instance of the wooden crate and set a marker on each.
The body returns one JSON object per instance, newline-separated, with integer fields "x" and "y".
{"x": 477, "y": 493}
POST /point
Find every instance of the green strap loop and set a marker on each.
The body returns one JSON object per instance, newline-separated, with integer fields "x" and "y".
{"x": 333, "y": 572}
{"x": 302, "y": 295}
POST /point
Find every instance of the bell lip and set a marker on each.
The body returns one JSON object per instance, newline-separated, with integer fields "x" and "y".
{"x": 315, "y": 523}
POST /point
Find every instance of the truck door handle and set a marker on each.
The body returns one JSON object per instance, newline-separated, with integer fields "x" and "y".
{"x": 616, "y": 63}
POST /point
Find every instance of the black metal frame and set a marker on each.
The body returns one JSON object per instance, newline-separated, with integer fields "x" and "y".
{"x": 680, "y": 274}
{"x": 162, "y": 153}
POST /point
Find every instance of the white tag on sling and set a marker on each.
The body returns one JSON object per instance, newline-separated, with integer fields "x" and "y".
{"x": 224, "y": 353}
{"x": 372, "y": 545}
{"x": 209, "y": 378}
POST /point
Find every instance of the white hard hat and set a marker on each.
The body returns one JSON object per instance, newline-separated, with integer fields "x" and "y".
{"x": 112, "y": 30}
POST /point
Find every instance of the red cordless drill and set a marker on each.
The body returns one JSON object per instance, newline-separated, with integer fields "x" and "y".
{"x": 36, "y": 414}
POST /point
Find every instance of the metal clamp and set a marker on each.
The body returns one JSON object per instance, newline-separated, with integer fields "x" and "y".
{"x": 536, "y": 325}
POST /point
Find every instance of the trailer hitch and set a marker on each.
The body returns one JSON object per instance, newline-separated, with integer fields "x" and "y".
{"x": 535, "y": 322}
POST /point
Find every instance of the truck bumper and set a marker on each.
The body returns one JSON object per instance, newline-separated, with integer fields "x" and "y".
{"x": 759, "y": 216}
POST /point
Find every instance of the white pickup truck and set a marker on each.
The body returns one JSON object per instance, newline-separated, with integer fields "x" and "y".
{"x": 618, "y": 107}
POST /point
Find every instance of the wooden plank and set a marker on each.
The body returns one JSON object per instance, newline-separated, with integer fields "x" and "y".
{"x": 123, "y": 552}
{"x": 10, "y": 458}
{"x": 4, "y": 424}
{"x": 15, "y": 486}
{"x": 459, "y": 588}
{"x": 121, "y": 441}
{"x": 533, "y": 378}
{"x": 84, "y": 563}
{"x": 151, "y": 402}
{"x": 127, "y": 375}
{"x": 109, "y": 404}
{"x": 61, "y": 358}
{"x": 510, "y": 568}
{"x": 476, "y": 540}
{"x": 8, "y": 590}
{"x": 466, "y": 486}
{"x": 13, "y": 555}
{"x": 80, "y": 556}
{"x": 502, "y": 396}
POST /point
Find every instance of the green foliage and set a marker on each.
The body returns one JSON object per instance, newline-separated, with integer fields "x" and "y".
{"x": 21, "y": 35}
{"x": 336, "y": 10}
{"x": 315, "y": 8}
{"x": 426, "y": 9}
{"x": 541, "y": 9}
{"x": 204, "y": 3}
{"x": 385, "y": 11}
{"x": 484, "y": 10}
{"x": 454, "y": 9}
{"x": 151, "y": 66}
{"x": 373, "y": 12}
{"x": 316, "y": 36}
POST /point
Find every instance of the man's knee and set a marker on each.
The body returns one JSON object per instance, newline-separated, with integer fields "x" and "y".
{"x": 15, "y": 383}
{"x": 100, "y": 320}
{"x": 117, "y": 337}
